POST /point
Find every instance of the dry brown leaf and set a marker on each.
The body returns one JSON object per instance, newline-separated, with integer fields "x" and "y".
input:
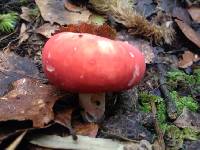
{"x": 55, "y": 12}
{"x": 25, "y": 14}
{"x": 86, "y": 129}
{"x": 47, "y": 29}
{"x": 195, "y": 13}
{"x": 29, "y": 100}
{"x": 23, "y": 36}
{"x": 189, "y": 32}
{"x": 187, "y": 59}
{"x": 71, "y": 7}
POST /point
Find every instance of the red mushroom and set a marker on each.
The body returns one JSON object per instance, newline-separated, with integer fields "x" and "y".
{"x": 91, "y": 65}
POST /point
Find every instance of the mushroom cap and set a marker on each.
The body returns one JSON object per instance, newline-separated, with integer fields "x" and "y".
{"x": 81, "y": 62}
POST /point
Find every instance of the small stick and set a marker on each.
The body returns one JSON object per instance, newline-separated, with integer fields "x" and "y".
{"x": 171, "y": 106}
{"x": 157, "y": 128}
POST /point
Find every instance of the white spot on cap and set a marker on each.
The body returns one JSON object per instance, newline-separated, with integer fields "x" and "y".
{"x": 75, "y": 49}
{"x": 105, "y": 46}
{"x": 50, "y": 68}
{"x": 49, "y": 55}
{"x": 136, "y": 72}
{"x": 131, "y": 54}
{"x": 81, "y": 76}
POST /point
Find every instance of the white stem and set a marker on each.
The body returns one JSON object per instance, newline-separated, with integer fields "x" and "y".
{"x": 93, "y": 105}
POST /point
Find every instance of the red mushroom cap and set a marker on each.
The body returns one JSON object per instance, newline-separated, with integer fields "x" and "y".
{"x": 80, "y": 62}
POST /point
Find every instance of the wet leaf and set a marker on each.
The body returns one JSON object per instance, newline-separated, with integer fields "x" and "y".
{"x": 13, "y": 67}
{"x": 189, "y": 32}
{"x": 187, "y": 59}
{"x": 128, "y": 127}
{"x": 195, "y": 13}
{"x": 47, "y": 29}
{"x": 146, "y": 7}
{"x": 29, "y": 99}
{"x": 55, "y": 12}
{"x": 188, "y": 119}
{"x": 86, "y": 129}
{"x": 182, "y": 14}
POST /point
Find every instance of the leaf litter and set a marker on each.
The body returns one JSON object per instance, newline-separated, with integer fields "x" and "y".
{"x": 63, "y": 16}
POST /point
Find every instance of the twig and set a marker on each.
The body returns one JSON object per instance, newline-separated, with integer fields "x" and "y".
{"x": 5, "y": 37}
{"x": 157, "y": 128}
{"x": 119, "y": 137}
{"x": 171, "y": 106}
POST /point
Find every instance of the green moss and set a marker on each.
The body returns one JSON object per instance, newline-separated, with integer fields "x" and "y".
{"x": 8, "y": 22}
{"x": 184, "y": 101}
{"x": 145, "y": 106}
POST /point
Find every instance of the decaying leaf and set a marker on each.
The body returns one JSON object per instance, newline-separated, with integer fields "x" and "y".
{"x": 128, "y": 127}
{"x": 25, "y": 14}
{"x": 188, "y": 119}
{"x": 187, "y": 59}
{"x": 103, "y": 30}
{"x": 23, "y": 36}
{"x": 86, "y": 129}
{"x": 14, "y": 67}
{"x": 29, "y": 99}
{"x": 195, "y": 13}
{"x": 55, "y": 12}
{"x": 182, "y": 14}
{"x": 86, "y": 143}
{"x": 47, "y": 29}
{"x": 189, "y": 32}
{"x": 71, "y": 7}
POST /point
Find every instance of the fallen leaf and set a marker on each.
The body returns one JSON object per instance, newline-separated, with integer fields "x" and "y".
{"x": 14, "y": 67}
{"x": 182, "y": 14}
{"x": 71, "y": 7}
{"x": 86, "y": 129}
{"x": 25, "y": 14}
{"x": 188, "y": 119}
{"x": 86, "y": 143}
{"x": 127, "y": 127}
{"x": 47, "y": 29}
{"x": 103, "y": 30}
{"x": 187, "y": 59}
{"x": 146, "y": 7}
{"x": 195, "y": 13}
{"x": 29, "y": 100}
{"x": 189, "y": 32}
{"x": 55, "y": 12}
{"x": 23, "y": 36}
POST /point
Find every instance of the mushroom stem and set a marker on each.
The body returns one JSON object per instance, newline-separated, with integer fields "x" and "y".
{"x": 93, "y": 105}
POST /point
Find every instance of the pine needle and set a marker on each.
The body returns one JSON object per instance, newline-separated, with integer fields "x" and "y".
{"x": 8, "y": 22}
